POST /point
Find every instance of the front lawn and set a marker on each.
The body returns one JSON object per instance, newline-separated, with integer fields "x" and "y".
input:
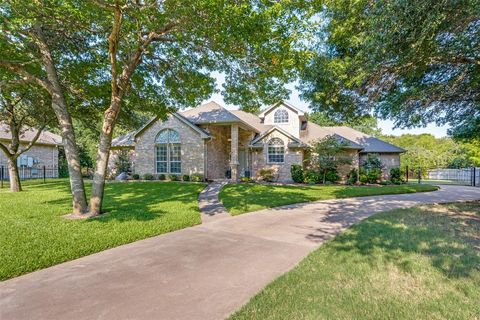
{"x": 33, "y": 235}
{"x": 417, "y": 263}
{"x": 241, "y": 198}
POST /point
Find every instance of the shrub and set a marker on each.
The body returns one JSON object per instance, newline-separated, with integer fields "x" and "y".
{"x": 196, "y": 177}
{"x": 372, "y": 162}
{"x": 312, "y": 177}
{"x": 267, "y": 174}
{"x": 385, "y": 182}
{"x": 186, "y": 177}
{"x": 135, "y": 176}
{"x": 161, "y": 176}
{"x": 245, "y": 179}
{"x": 172, "y": 177}
{"x": 331, "y": 176}
{"x": 396, "y": 175}
{"x": 352, "y": 176}
{"x": 147, "y": 176}
{"x": 374, "y": 175}
{"x": 362, "y": 177}
{"x": 297, "y": 173}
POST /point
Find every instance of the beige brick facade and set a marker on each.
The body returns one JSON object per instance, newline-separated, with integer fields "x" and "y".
{"x": 282, "y": 170}
{"x": 192, "y": 147}
{"x": 41, "y": 155}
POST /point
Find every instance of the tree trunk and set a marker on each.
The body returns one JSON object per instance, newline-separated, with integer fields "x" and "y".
{"x": 103, "y": 154}
{"x": 79, "y": 199}
{"x": 14, "y": 176}
{"x": 59, "y": 105}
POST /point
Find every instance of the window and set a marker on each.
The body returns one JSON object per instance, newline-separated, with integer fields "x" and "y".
{"x": 280, "y": 116}
{"x": 168, "y": 152}
{"x": 276, "y": 151}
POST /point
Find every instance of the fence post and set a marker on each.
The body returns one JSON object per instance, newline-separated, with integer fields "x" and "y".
{"x": 419, "y": 175}
{"x": 44, "y": 174}
{"x": 407, "y": 173}
{"x": 474, "y": 176}
{"x": 1, "y": 176}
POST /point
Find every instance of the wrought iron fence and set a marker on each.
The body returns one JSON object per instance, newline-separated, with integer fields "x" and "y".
{"x": 463, "y": 176}
{"x": 28, "y": 173}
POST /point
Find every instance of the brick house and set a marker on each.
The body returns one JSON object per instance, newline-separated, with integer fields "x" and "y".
{"x": 220, "y": 143}
{"x": 44, "y": 153}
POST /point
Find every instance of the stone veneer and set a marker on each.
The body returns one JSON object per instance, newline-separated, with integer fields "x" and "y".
{"x": 218, "y": 150}
{"x": 192, "y": 150}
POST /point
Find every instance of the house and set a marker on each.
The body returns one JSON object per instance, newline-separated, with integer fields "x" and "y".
{"x": 220, "y": 143}
{"x": 44, "y": 153}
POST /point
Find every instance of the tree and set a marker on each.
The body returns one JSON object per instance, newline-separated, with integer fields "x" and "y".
{"x": 327, "y": 155}
{"x": 428, "y": 152}
{"x": 167, "y": 51}
{"x": 41, "y": 44}
{"x": 21, "y": 109}
{"x": 412, "y": 61}
{"x": 366, "y": 124}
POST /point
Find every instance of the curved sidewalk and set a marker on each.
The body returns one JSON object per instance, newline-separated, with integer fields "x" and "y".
{"x": 204, "y": 272}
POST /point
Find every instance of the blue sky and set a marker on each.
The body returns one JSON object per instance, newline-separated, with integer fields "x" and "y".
{"x": 385, "y": 125}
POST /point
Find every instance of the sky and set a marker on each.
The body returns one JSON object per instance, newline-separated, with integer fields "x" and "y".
{"x": 385, "y": 125}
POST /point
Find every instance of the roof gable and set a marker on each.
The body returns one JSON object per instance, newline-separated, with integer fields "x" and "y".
{"x": 368, "y": 143}
{"x": 284, "y": 104}
{"x": 274, "y": 128}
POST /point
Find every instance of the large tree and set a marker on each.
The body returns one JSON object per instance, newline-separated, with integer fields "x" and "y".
{"x": 411, "y": 61}
{"x": 44, "y": 43}
{"x": 22, "y": 109}
{"x": 366, "y": 124}
{"x": 168, "y": 51}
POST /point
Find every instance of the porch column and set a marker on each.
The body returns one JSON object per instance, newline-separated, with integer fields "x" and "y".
{"x": 234, "y": 152}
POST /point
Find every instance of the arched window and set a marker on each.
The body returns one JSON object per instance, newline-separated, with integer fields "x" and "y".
{"x": 280, "y": 116}
{"x": 168, "y": 152}
{"x": 276, "y": 151}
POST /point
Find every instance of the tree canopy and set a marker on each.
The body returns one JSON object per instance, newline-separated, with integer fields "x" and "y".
{"x": 411, "y": 61}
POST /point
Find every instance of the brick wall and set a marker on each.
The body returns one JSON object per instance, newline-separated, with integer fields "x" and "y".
{"x": 193, "y": 147}
{"x": 44, "y": 155}
{"x": 282, "y": 170}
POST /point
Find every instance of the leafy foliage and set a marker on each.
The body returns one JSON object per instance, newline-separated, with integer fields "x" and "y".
{"x": 427, "y": 152}
{"x": 326, "y": 155}
{"x": 412, "y": 61}
{"x": 267, "y": 174}
{"x": 296, "y": 171}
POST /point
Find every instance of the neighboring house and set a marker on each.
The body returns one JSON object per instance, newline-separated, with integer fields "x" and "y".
{"x": 220, "y": 143}
{"x": 44, "y": 153}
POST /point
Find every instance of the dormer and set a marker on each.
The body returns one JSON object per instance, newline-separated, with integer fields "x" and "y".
{"x": 285, "y": 116}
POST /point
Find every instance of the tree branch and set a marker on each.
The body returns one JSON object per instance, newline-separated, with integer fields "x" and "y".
{"x": 27, "y": 76}
{"x": 33, "y": 141}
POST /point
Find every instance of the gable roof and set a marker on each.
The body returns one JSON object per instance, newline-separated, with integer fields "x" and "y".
{"x": 369, "y": 143}
{"x": 252, "y": 120}
{"x": 46, "y": 137}
{"x": 285, "y": 133}
{"x": 286, "y": 104}
{"x": 314, "y": 132}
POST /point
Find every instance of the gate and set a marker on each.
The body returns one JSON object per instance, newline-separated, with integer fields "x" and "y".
{"x": 463, "y": 176}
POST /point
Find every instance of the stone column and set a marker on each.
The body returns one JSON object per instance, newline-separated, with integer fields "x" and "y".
{"x": 234, "y": 152}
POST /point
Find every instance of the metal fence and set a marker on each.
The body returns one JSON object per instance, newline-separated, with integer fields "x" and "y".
{"x": 28, "y": 173}
{"x": 464, "y": 176}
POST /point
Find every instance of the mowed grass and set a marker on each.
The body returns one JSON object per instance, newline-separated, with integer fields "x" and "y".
{"x": 241, "y": 198}
{"x": 34, "y": 235}
{"x": 418, "y": 263}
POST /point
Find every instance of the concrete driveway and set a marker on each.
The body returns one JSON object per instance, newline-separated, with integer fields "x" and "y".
{"x": 203, "y": 272}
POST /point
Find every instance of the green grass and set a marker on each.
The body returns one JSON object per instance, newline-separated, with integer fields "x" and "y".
{"x": 418, "y": 263}
{"x": 241, "y": 198}
{"x": 33, "y": 235}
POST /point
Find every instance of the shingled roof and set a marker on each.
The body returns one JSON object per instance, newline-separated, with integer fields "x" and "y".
{"x": 213, "y": 113}
{"x": 46, "y": 137}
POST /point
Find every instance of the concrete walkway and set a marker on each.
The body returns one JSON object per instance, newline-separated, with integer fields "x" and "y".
{"x": 203, "y": 272}
{"x": 211, "y": 209}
